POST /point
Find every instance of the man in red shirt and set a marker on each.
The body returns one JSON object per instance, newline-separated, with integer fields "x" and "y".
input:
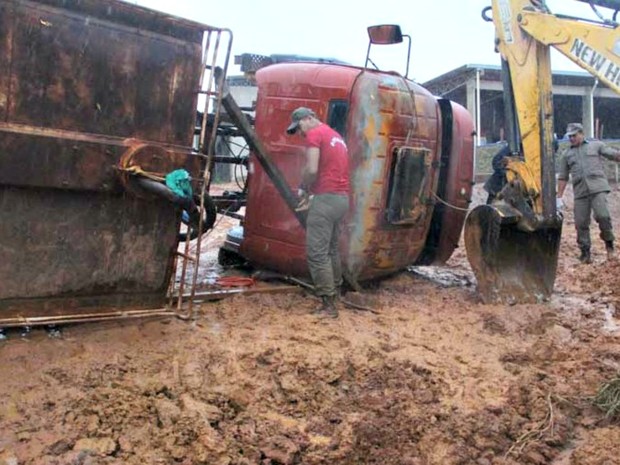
{"x": 326, "y": 179}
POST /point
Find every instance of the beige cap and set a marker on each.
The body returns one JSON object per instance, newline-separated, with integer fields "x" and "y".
{"x": 573, "y": 128}
{"x": 297, "y": 115}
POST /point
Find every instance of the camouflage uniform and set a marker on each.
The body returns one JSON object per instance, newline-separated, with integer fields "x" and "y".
{"x": 584, "y": 163}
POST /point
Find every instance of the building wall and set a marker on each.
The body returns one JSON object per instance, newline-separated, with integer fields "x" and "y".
{"x": 577, "y": 98}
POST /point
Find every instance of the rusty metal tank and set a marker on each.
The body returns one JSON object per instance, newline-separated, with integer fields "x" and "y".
{"x": 411, "y": 165}
{"x": 88, "y": 87}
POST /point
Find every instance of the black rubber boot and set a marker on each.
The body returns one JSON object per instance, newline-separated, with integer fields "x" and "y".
{"x": 327, "y": 308}
{"x": 585, "y": 256}
{"x": 611, "y": 252}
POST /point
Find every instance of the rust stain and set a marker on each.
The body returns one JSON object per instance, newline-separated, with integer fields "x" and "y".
{"x": 391, "y": 118}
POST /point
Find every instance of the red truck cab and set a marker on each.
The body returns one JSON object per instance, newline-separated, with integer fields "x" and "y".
{"x": 411, "y": 168}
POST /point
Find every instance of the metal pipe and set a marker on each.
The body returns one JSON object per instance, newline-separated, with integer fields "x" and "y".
{"x": 475, "y": 155}
{"x": 591, "y": 105}
{"x": 513, "y": 135}
{"x": 274, "y": 173}
{"x": 408, "y": 55}
{"x": 214, "y": 295}
{"x": 130, "y": 314}
{"x": 612, "y": 4}
{"x": 83, "y": 318}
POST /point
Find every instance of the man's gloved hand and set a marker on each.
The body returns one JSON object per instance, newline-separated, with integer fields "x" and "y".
{"x": 559, "y": 204}
{"x": 304, "y": 199}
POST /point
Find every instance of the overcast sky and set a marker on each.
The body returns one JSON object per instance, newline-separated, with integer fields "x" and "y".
{"x": 445, "y": 34}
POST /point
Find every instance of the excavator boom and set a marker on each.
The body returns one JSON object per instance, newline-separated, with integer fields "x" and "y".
{"x": 594, "y": 47}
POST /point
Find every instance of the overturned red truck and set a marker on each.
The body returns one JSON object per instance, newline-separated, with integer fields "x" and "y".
{"x": 98, "y": 102}
{"x": 411, "y": 168}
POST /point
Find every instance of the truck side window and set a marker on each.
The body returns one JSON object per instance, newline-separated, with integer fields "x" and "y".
{"x": 337, "y": 116}
{"x": 408, "y": 177}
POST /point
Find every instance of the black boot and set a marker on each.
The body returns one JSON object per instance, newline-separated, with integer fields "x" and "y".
{"x": 609, "y": 247}
{"x": 585, "y": 256}
{"x": 327, "y": 307}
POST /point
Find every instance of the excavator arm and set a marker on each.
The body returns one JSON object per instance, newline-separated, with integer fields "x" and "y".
{"x": 593, "y": 46}
{"x": 513, "y": 244}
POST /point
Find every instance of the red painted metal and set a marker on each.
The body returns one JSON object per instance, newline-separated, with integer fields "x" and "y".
{"x": 386, "y": 115}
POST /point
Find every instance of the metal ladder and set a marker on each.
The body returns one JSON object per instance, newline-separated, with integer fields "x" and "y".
{"x": 211, "y": 88}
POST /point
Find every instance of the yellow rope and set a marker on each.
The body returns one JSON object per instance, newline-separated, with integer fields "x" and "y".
{"x": 136, "y": 170}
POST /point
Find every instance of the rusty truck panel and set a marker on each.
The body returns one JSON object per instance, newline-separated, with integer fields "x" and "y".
{"x": 394, "y": 141}
{"x": 84, "y": 86}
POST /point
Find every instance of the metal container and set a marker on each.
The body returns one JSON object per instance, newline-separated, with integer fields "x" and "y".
{"x": 86, "y": 88}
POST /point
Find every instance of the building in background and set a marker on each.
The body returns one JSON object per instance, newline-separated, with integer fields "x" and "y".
{"x": 577, "y": 96}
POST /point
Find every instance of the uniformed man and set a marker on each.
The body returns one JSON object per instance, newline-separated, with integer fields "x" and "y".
{"x": 583, "y": 161}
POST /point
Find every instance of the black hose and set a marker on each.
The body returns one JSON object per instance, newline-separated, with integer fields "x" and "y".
{"x": 186, "y": 203}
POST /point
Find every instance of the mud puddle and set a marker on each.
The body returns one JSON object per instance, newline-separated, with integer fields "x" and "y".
{"x": 576, "y": 305}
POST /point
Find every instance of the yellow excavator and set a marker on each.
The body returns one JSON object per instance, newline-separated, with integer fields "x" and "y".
{"x": 513, "y": 244}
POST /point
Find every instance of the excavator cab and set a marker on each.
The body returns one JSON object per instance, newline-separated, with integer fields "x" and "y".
{"x": 513, "y": 244}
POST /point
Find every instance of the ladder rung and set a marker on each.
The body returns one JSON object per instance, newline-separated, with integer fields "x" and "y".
{"x": 188, "y": 257}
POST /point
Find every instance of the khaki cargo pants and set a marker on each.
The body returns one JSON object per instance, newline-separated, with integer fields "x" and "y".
{"x": 584, "y": 208}
{"x": 322, "y": 234}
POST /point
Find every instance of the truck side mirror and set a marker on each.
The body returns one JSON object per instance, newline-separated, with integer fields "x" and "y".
{"x": 386, "y": 34}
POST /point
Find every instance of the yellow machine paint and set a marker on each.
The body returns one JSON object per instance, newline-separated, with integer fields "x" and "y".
{"x": 513, "y": 244}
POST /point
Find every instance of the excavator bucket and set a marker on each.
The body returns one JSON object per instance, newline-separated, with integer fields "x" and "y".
{"x": 510, "y": 264}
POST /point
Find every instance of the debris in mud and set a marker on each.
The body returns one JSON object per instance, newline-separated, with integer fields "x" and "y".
{"x": 99, "y": 446}
{"x": 608, "y": 398}
{"x": 443, "y": 276}
{"x": 53, "y": 331}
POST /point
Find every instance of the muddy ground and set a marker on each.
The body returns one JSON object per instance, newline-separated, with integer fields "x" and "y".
{"x": 436, "y": 378}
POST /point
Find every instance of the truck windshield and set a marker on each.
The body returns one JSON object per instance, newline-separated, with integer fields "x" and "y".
{"x": 337, "y": 116}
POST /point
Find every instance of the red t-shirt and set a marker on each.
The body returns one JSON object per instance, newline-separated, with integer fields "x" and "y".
{"x": 333, "y": 174}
